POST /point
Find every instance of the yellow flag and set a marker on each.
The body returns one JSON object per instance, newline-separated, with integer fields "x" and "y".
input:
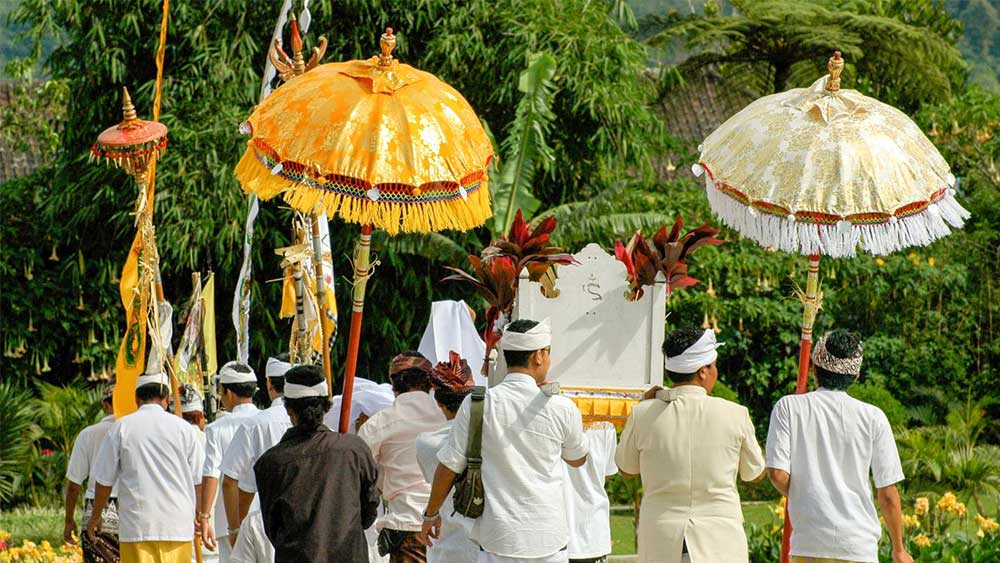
{"x": 131, "y": 359}
{"x": 208, "y": 326}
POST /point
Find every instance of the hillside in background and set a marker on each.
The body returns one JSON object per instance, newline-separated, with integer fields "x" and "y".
{"x": 980, "y": 44}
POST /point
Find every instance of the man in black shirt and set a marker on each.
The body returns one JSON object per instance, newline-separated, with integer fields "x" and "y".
{"x": 317, "y": 488}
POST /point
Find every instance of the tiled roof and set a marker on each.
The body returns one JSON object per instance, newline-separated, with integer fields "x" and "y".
{"x": 16, "y": 163}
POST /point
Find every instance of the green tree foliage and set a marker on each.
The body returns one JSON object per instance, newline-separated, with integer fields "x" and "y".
{"x": 62, "y": 317}
{"x": 900, "y": 51}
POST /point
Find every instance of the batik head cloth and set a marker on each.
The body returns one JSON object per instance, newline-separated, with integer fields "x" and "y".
{"x": 190, "y": 399}
{"x": 403, "y": 362}
{"x": 454, "y": 376}
{"x": 700, "y": 354}
{"x": 540, "y": 336}
{"x": 108, "y": 390}
{"x": 821, "y": 357}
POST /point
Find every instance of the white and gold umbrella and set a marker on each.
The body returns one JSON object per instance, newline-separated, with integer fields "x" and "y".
{"x": 824, "y": 171}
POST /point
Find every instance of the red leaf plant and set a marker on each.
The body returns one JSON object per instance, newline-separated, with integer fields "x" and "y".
{"x": 667, "y": 254}
{"x": 497, "y": 268}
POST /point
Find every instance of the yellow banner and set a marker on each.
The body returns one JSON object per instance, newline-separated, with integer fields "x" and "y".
{"x": 131, "y": 359}
{"x": 208, "y": 326}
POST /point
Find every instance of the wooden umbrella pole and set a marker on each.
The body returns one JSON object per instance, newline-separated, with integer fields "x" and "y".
{"x": 810, "y": 306}
{"x": 361, "y": 266}
{"x": 321, "y": 297}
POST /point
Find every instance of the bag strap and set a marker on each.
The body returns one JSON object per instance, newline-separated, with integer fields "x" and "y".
{"x": 474, "y": 448}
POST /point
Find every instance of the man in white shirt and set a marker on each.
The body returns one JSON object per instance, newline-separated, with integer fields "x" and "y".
{"x": 239, "y": 383}
{"x": 156, "y": 460}
{"x": 821, "y": 448}
{"x": 527, "y": 435}
{"x": 252, "y": 545}
{"x": 81, "y": 462}
{"x": 391, "y": 435}
{"x": 689, "y": 448}
{"x": 250, "y": 441}
{"x": 452, "y": 382}
{"x": 588, "y": 509}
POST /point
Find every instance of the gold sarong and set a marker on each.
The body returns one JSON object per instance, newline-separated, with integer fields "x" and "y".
{"x": 156, "y": 552}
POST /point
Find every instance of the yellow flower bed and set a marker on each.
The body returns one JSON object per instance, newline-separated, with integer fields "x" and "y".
{"x": 30, "y": 552}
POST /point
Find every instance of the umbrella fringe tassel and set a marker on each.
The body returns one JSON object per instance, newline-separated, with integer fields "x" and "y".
{"x": 841, "y": 239}
{"x": 456, "y": 213}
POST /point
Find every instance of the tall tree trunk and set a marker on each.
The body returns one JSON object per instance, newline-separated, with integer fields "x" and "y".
{"x": 781, "y": 72}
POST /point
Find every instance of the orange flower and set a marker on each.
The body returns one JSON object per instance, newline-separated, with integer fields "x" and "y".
{"x": 922, "y": 540}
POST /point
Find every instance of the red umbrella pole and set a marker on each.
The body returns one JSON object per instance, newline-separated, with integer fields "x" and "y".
{"x": 810, "y": 306}
{"x": 361, "y": 266}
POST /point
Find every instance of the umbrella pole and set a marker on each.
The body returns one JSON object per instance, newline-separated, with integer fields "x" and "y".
{"x": 361, "y": 266}
{"x": 321, "y": 297}
{"x": 810, "y": 306}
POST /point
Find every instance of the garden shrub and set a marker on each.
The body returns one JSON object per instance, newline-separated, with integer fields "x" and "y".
{"x": 880, "y": 397}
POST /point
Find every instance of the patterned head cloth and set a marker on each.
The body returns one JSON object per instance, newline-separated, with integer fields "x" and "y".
{"x": 821, "y": 357}
{"x": 108, "y": 389}
{"x": 403, "y": 362}
{"x": 190, "y": 399}
{"x": 454, "y": 376}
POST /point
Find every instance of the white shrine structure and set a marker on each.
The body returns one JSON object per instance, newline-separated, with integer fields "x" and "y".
{"x": 606, "y": 350}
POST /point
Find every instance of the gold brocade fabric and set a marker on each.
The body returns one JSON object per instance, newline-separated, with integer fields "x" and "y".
{"x": 840, "y": 154}
{"x": 394, "y": 147}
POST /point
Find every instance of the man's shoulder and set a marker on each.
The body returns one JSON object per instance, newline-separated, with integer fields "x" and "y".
{"x": 726, "y": 406}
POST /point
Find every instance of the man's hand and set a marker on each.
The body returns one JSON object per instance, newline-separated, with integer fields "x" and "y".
{"x": 94, "y": 526}
{"x": 431, "y": 529}
{"x": 208, "y": 536}
{"x": 651, "y": 392}
{"x": 901, "y": 556}
{"x": 68, "y": 530}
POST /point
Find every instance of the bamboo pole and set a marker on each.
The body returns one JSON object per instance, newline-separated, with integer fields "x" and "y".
{"x": 361, "y": 266}
{"x": 810, "y": 307}
{"x": 321, "y": 297}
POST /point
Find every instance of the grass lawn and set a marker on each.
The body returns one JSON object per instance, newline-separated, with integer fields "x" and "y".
{"x": 623, "y": 531}
{"x": 35, "y": 524}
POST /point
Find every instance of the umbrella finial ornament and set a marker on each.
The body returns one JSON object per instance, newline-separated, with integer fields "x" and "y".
{"x": 388, "y": 43}
{"x": 835, "y": 66}
{"x": 128, "y": 110}
{"x": 296, "y": 65}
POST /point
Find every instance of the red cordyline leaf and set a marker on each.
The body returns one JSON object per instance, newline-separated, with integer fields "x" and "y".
{"x": 667, "y": 254}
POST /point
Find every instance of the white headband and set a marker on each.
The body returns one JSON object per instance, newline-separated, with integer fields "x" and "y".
{"x": 702, "y": 353}
{"x": 540, "y": 336}
{"x": 296, "y": 391}
{"x": 276, "y": 367}
{"x": 150, "y": 378}
{"x": 192, "y": 405}
{"x": 228, "y": 374}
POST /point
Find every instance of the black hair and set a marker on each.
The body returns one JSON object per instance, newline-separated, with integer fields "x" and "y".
{"x": 840, "y": 344}
{"x": 151, "y": 392}
{"x": 242, "y": 390}
{"x": 308, "y": 411}
{"x": 676, "y": 343}
{"x": 519, "y": 358}
{"x": 412, "y": 379}
{"x": 450, "y": 399}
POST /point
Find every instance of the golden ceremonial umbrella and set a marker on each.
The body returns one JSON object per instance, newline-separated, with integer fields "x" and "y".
{"x": 377, "y": 142}
{"x": 825, "y": 171}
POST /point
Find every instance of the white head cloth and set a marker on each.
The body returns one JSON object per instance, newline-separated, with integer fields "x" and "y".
{"x": 276, "y": 368}
{"x": 228, "y": 374}
{"x": 540, "y": 336}
{"x": 296, "y": 391}
{"x": 149, "y": 378}
{"x": 700, "y": 354}
{"x": 451, "y": 328}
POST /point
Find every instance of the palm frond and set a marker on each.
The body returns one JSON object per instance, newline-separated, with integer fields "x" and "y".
{"x": 525, "y": 147}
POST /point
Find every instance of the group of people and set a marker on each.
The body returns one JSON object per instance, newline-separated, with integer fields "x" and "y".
{"x": 281, "y": 484}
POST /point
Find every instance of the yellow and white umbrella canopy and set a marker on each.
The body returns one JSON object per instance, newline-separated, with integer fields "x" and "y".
{"x": 824, "y": 171}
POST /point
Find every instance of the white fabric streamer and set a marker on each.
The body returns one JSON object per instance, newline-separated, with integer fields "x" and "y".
{"x": 296, "y": 391}
{"x": 702, "y": 353}
{"x": 451, "y": 329}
